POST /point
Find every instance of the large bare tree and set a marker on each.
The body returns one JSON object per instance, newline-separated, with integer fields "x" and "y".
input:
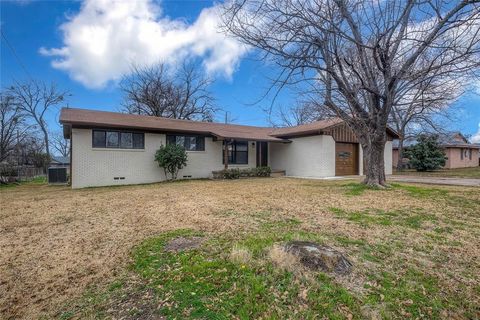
{"x": 355, "y": 54}
{"x": 35, "y": 99}
{"x": 12, "y": 126}
{"x": 157, "y": 91}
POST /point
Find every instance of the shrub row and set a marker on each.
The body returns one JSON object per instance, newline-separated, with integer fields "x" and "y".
{"x": 236, "y": 173}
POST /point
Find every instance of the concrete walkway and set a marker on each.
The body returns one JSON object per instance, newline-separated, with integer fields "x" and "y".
{"x": 466, "y": 182}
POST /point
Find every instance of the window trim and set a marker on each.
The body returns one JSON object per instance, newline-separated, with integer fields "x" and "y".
{"x": 233, "y": 160}
{"x": 185, "y": 138}
{"x": 119, "y": 139}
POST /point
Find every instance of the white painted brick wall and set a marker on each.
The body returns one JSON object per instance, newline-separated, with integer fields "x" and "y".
{"x": 388, "y": 157}
{"x": 312, "y": 156}
{"x": 98, "y": 166}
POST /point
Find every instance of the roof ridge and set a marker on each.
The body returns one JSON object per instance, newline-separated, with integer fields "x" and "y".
{"x": 166, "y": 118}
{"x": 197, "y": 121}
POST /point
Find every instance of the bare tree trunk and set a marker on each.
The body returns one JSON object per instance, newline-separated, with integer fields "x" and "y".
{"x": 373, "y": 154}
{"x": 225, "y": 154}
{"x": 400, "y": 164}
{"x": 374, "y": 165}
{"x": 45, "y": 138}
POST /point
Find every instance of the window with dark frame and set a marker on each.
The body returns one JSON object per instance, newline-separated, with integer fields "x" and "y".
{"x": 114, "y": 139}
{"x": 237, "y": 152}
{"x": 189, "y": 142}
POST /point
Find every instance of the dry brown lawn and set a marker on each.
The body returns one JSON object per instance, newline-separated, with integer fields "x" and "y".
{"x": 55, "y": 242}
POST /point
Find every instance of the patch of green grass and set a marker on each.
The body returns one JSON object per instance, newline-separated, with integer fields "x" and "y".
{"x": 421, "y": 192}
{"x": 348, "y": 241}
{"x": 356, "y": 189}
{"x": 35, "y": 181}
{"x": 377, "y": 252}
{"x": 286, "y": 224}
{"x": 473, "y": 172}
{"x": 413, "y": 219}
{"x": 205, "y": 284}
{"x": 411, "y": 292}
{"x": 38, "y": 180}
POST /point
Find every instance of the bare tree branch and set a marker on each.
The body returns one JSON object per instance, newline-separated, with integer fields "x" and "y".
{"x": 156, "y": 91}
{"x": 34, "y": 100}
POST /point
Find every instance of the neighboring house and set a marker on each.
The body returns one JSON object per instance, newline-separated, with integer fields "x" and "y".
{"x": 110, "y": 148}
{"x": 60, "y": 162}
{"x": 460, "y": 153}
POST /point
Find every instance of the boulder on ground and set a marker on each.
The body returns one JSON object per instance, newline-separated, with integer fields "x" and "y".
{"x": 319, "y": 257}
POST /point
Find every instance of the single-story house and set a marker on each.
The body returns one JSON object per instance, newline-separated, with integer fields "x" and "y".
{"x": 460, "y": 152}
{"x": 109, "y": 148}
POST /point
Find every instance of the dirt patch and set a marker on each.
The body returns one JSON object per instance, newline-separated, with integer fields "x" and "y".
{"x": 182, "y": 244}
{"x": 138, "y": 305}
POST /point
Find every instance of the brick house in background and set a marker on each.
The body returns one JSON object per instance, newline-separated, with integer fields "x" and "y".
{"x": 460, "y": 152}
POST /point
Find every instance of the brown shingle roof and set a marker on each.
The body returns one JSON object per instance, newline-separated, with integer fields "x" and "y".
{"x": 82, "y": 117}
{"x": 305, "y": 129}
{"x": 93, "y": 118}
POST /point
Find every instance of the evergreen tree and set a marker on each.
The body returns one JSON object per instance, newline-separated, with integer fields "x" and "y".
{"x": 426, "y": 155}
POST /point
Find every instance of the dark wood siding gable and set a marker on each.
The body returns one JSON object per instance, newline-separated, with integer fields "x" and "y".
{"x": 342, "y": 133}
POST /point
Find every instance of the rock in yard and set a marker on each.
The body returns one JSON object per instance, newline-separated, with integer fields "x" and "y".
{"x": 182, "y": 244}
{"x": 318, "y": 257}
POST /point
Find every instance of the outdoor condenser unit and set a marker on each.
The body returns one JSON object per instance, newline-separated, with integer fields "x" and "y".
{"x": 57, "y": 175}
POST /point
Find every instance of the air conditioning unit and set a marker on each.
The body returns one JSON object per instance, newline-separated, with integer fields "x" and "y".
{"x": 57, "y": 175}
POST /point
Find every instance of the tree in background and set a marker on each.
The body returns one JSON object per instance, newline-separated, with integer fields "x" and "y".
{"x": 426, "y": 155}
{"x": 157, "y": 91}
{"x": 60, "y": 145}
{"x": 171, "y": 158}
{"x": 13, "y": 129}
{"x": 34, "y": 99}
{"x": 303, "y": 112}
{"x": 355, "y": 54}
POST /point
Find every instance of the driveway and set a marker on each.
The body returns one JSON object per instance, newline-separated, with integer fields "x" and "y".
{"x": 437, "y": 180}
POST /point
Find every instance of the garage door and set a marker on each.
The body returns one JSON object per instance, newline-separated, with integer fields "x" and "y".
{"x": 346, "y": 159}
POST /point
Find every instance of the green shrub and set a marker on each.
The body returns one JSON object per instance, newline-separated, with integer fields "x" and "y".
{"x": 426, "y": 155}
{"x": 231, "y": 173}
{"x": 263, "y": 171}
{"x": 236, "y": 173}
{"x": 171, "y": 158}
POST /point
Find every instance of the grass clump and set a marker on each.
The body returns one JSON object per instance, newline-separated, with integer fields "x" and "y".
{"x": 284, "y": 260}
{"x": 241, "y": 255}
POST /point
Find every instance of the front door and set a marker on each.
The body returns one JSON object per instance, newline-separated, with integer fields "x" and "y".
{"x": 262, "y": 154}
{"x": 346, "y": 159}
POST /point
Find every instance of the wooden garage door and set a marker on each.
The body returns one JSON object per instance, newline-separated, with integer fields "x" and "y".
{"x": 346, "y": 159}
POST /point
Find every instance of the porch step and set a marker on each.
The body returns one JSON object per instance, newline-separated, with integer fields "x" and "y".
{"x": 277, "y": 173}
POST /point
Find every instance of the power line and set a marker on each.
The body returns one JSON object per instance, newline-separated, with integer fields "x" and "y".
{"x": 12, "y": 49}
